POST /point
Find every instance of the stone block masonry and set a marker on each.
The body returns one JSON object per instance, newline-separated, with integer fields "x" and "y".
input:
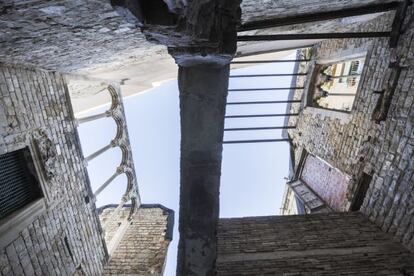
{"x": 64, "y": 237}
{"x": 69, "y": 35}
{"x": 320, "y": 244}
{"x": 355, "y": 144}
{"x": 143, "y": 247}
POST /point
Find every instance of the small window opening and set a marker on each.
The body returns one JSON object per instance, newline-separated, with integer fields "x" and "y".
{"x": 336, "y": 84}
{"x": 19, "y": 183}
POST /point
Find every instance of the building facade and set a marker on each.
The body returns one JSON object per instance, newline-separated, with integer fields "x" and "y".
{"x": 361, "y": 158}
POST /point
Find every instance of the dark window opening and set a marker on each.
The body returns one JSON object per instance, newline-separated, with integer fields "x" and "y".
{"x": 18, "y": 181}
{"x": 361, "y": 192}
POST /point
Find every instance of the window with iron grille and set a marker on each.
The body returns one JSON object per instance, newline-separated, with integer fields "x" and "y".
{"x": 19, "y": 185}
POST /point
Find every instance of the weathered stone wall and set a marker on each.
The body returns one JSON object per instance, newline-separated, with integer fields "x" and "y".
{"x": 69, "y": 35}
{"x": 143, "y": 248}
{"x": 65, "y": 237}
{"x": 354, "y": 143}
{"x": 321, "y": 244}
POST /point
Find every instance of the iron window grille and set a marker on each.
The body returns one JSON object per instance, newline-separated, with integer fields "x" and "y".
{"x": 19, "y": 185}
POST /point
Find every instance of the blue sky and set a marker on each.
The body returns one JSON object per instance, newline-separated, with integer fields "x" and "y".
{"x": 252, "y": 181}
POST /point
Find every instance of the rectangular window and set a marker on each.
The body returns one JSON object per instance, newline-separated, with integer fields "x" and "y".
{"x": 336, "y": 84}
{"x": 18, "y": 182}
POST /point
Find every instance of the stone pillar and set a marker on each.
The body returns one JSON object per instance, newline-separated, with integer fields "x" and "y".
{"x": 203, "y": 92}
{"x": 202, "y": 38}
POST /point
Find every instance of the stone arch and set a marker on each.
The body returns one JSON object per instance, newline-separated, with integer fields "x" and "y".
{"x": 120, "y": 126}
{"x": 115, "y": 100}
{"x": 125, "y": 154}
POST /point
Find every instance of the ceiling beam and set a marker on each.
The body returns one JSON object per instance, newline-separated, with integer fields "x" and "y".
{"x": 320, "y": 16}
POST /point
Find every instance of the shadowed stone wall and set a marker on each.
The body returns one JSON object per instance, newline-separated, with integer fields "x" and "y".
{"x": 321, "y": 244}
{"x": 64, "y": 236}
{"x": 354, "y": 143}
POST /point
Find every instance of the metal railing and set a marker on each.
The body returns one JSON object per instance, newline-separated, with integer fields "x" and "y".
{"x": 258, "y": 102}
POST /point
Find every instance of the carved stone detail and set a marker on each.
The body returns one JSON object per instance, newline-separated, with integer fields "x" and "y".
{"x": 47, "y": 153}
